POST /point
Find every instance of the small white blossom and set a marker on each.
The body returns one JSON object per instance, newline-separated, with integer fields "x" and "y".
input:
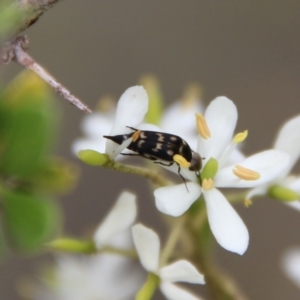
{"x": 288, "y": 141}
{"x": 178, "y": 119}
{"x": 130, "y": 111}
{"x": 291, "y": 265}
{"x": 102, "y": 276}
{"x": 148, "y": 247}
{"x": 226, "y": 225}
{"x": 119, "y": 219}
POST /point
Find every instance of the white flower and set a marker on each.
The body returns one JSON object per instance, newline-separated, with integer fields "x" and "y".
{"x": 102, "y": 276}
{"x": 130, "y": 111}
{"x": 178, "y": 119}
{"x": 148, "y": 247}
{"x": 215, "y": 141}
{"x": 291, "y": 265}
{"x": 119, "y": 219}
{"x": 288, "y": 141}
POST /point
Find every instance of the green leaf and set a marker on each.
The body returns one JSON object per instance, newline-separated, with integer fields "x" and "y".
{"x": 10, "y": 18}
{"x": 29, "y": 221}
{"x": 28, "y": 120}
{"x": 3, "y": 246}
{"x": 55, "y": 175}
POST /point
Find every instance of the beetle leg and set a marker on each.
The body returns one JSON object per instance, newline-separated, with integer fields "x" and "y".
{"x": 163, "y": 164}
{"x": 134, "y": 129}
{"x": 182, "y": 177}
{"x": 170, "y": 164}
{"x": 139, "y": 154}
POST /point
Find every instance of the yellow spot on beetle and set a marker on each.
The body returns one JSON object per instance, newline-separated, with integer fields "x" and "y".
{"x": 181, "y": 161}
{"x": 160, "y": 137}
{"x": 136, "y": 135}
{"x": 245, "y": 174}
{"x": 202, "y": 127}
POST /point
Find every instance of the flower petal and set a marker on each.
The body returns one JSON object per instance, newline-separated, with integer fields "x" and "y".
{"x": 221, "y": 117}
{"x": 295, "y": 204}
{"x": 288, "y": 141}
{"x": 269, "y": 164}
{"x": 291, "y": 265}
{"x": 147, "y": 245}
{"x": 226, "y": 225}
{"x": 293, "y": 183}
{"x": 120, "y": 218}
{"x": 185, "y": 112}
{"x": 181, "y": 270}
{"x": 131, "y": 110}
{"x": 88, "y": 144}
{"x": 149, "y": 127}
{"x": 257, "y": 191}
{"x": 176, "y": 200}
{"x": 97, "y": 124}
{"x": 185, "y": 172}
{"x": 174, "y": 292}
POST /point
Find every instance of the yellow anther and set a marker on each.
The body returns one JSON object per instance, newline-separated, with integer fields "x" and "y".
{"x": 106, "y": 104}
{"x": 202, "y": 127}
{"x": 245, "y": 174}
{"x": 136, "y": 135}
{"x": 240, "y": 137}
{"x": 192, "y": 94}
{"x": 208, "y": 184}
{"x": 181, "y": 161}
{"x": 248, "y": 202}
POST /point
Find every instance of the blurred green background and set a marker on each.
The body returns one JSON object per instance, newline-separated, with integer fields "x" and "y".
{"x": 245, "y": 50}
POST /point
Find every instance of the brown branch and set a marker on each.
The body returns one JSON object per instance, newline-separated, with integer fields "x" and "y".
{"x": 16, "y": 50}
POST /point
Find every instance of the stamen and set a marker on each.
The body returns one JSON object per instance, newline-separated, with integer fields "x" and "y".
{"x": 240, "y": 137}
{"x": 208, "y": 184}
{"x": 245, "y": 174}
{"x": 136, "y": 135}
{"x": 181, "y": 161}
{"x": 248, "y": 202}
{"x": 191, "y": 95}
{"x": 202, "y": 127}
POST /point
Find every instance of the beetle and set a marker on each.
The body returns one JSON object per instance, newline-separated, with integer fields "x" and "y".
{"x": 162, "y": 148}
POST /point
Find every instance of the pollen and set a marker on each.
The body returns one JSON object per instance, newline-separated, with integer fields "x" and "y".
{"x": 245, "y": 174}
{"x": 248, "y": 202}
{"x": 208, "y": 184}
{"x": 240, "y": 137}
{"x": 136, "y": 135}
{"x": 181, "y": 161}
{"x": 202, "y": 127}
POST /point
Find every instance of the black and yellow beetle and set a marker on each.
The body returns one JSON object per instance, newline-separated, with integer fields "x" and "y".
{"x": 162, "y": 148}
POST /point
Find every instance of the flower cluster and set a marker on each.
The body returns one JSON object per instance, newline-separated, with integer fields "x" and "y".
{"x": 223, "y": 166}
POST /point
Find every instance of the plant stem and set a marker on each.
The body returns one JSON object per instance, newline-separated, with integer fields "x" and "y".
{"x": 154, "y": 176}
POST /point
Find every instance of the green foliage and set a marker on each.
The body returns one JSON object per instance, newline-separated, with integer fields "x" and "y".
{"x": 27, "y": 122}
{"x": 29, "y": 176}
{"x": 10, "y": 17}
{"x": 29, "y": 221}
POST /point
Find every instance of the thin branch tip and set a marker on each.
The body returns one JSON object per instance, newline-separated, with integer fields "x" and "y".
{"x": 16, "y": 50}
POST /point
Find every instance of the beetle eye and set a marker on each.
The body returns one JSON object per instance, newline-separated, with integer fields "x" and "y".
{"x": 196, "y": 162}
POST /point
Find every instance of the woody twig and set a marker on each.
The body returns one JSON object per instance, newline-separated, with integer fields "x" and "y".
{"x": 16, "y": 50}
